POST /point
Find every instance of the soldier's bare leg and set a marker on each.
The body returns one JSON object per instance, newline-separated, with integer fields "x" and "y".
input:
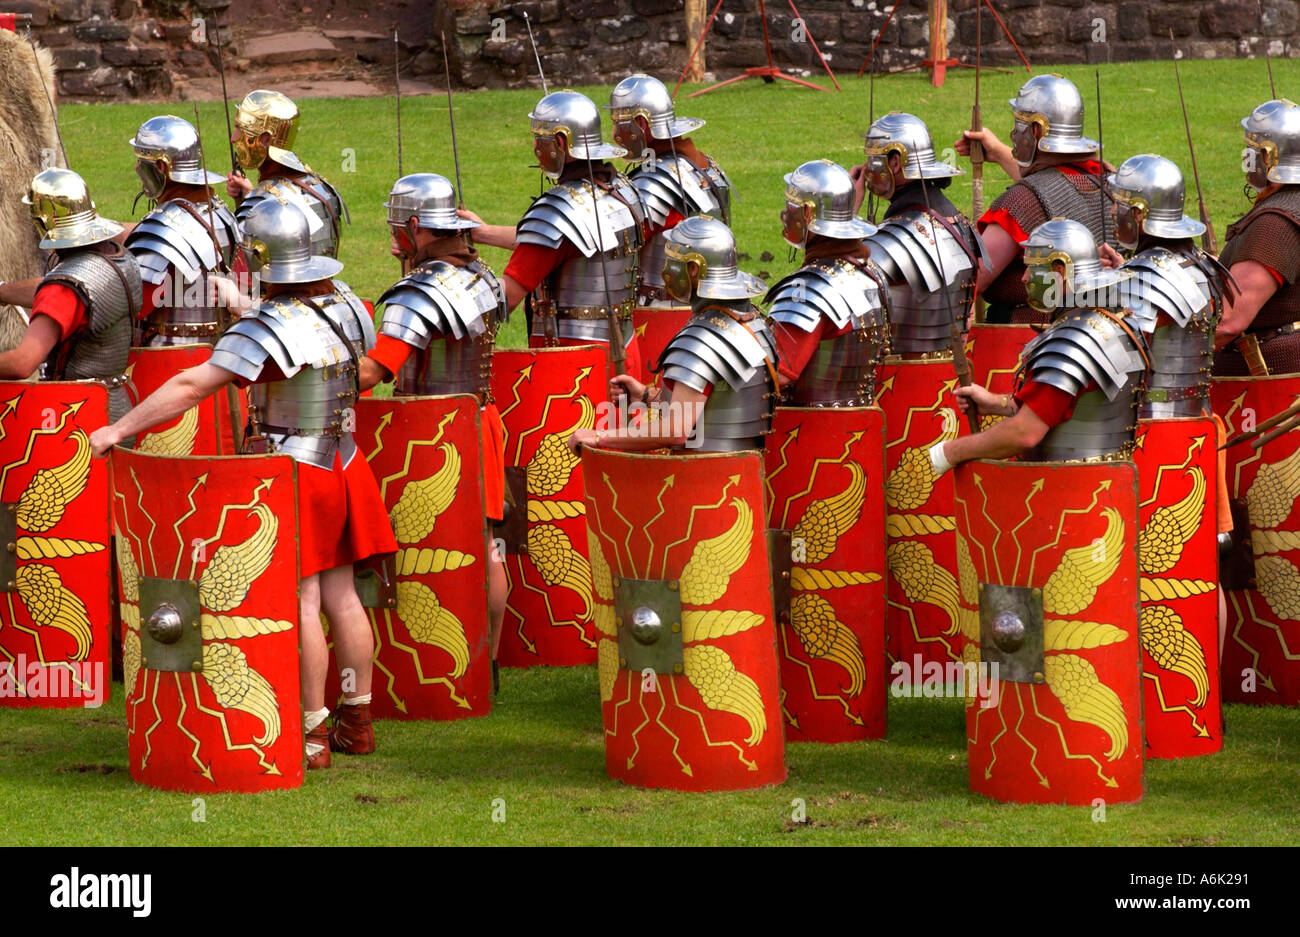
{"x": 498, "y": 587}
{"x": 354, "y": 648}
{"x": 314, "y": 664}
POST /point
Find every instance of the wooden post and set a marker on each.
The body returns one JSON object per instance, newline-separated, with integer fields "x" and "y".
{"x": 939, "y": 41}
{"x": 695, "y": 16}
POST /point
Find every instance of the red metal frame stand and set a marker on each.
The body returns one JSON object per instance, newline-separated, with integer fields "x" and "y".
{"x": 937, "y": 68}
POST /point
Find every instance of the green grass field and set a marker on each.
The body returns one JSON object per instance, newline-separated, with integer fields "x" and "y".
{"x": 63, "y": 774}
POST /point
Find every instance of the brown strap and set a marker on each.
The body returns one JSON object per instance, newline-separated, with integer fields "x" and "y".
{"x": 1140, "y": 345}
{"x": 207, "y": 226}
{"x": 732, "y": 314}
{"x": 334, "y": 219}
{"x": 347, "y": 343}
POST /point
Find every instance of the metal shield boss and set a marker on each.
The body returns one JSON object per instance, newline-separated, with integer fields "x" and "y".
{"x": 688, "y": 672}
{"x": 55, "y": 550}
{"x": 994, "y": 351}
{"x": 1178, "y": 471}
{"x": 427, "y": 606}
{"x": 1048, "y": 577}
{"x": 916, "y": 396}
{"x": 205, "y": 429}
{"x": 544, "y": 394}
{"x": 208, "y": 553}
{"x": 825, "y": 476}
{"x": 654, "y": 327}
{"x": 1261, "y": 580}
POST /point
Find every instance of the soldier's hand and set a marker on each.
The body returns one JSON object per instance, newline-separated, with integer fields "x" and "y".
{"x": 625, "y": 384}
{"x": 223, "y": 293}
{"x": 102, "y": 441}
{"x": 986, "y": 136}
{"x": 859, "y": 176}
{"x": 1110, "y": 258}
{"x": 979, "y": 397}
{"x": 238, "y": 186}
{"x": 583, "y": 437}
{"x": 468, "y": 215}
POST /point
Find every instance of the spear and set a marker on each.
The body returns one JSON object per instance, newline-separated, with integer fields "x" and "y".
{"x": 54, "y": 115}
{"x": 225, "y": 98}
{"x": 397, "y": 82}
{"x": 871, "y": 119}
{"x": 548, "y": 310}
{"x": 451, "y": 116}
{"x": 533, "y": 43}
{"x": 976, "y": 125}
{"x": 1267, "y": 58}
{"x": 232, "y": 395}
{"x": 1101, "y": 158}
{"x": 1208, "y": 241}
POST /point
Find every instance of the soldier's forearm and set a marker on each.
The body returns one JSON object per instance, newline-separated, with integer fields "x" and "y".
{"x": 185, "y": 390}
{"x": 1002, "y": 440}
{"x": 19, "y": 292}
{"x": 494, "y": 235}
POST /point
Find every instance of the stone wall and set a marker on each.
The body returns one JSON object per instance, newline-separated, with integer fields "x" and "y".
{"x": 603, "y": 40}
{"x": 119, "y": 48}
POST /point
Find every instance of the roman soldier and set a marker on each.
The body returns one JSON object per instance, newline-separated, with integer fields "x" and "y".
{"x": 266, "y": 124}
{"x": 83, "y": 309}
{"x": 1177, "y": 294}
{"x": 1057, "y": 174}
{"x": 300, "y": 349}
{"x": 675, "y": 181}
{"x": 188, "y": 234}
{"x": 1047, "y": 559}
{"x": 575, "y": 250}
{"x": 1255, "y": 366}
{"x": 825, "y": 494}
{"x": 437, "y": 333}
{"x": 720, "y": 371}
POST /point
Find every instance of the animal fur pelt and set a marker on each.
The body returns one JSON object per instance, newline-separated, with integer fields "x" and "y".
{"x": 28, "y": 144}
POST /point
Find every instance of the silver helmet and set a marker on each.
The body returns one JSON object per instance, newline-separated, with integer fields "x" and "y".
{"x": 578, "y": 119}
{"x": 1054, "y": 104}
{"x": 175, "y": 142}
{"x": 430, "y": 198}
{"x": 1274, "y": 129}
{"x": 1086, "y": 282}
{"x": 828, "y": 189}
{"x": 1153, "y": 186}
{"x": 277, "y": 245}
{"x": 909, "y": 137}
{"x": 63, "y": 212}
{"x": 710, "y": 244}
{"x": 646, "y": 96}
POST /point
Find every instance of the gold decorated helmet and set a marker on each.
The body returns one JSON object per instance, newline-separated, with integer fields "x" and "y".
{"x": 267, "y": 112}
{"x": 63, "y": 212}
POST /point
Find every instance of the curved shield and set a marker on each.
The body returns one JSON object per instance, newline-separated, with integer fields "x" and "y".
{"x": 825, "y": 471}
{"x": 1048, "y": 573}
{"x": 427, "y": 608}
{"x": 205, "y": 429}
{"x": 654, "y": 327}
{"x": 1178, "y": 470}
{"x": 208, "y": 553}
{"x": 688, "y": 670}
{"x": 54, "y": 621}
{"x": 994, "y": 351}
{"x": 1261, "y": 650}
{"x": 544, "y": 394}
{"x": 916, "y": 396}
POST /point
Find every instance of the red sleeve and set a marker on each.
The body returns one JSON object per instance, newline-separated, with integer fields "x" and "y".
{"x": 795, "y": 347}
{"x": 1050, "y": 404}
{"x": 1281, "y": 280}
{"x": 153, "y": 296}
{"x": 390, "y": 352}
{"x": 1002, "y": 218}
{"x": 673, "y": 220}
{"x": 63, "y": 305}
{"x": 530, "y": 263}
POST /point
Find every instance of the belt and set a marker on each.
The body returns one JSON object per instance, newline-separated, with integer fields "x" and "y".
{"x": 1174, "y": 394}
{"x": 624, "y": 310}
{"x": 336, "y": 431}
{"x": 1249, "y": 345}
{"x": 185, "y": 328}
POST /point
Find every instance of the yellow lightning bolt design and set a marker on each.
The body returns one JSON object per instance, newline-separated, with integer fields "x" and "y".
{"x": 546, "y": 410}
{"x": 202, "y": 480}
{"x": 1034, "y": 489}
{"x": 40, "y": 650}
{"x": 936, "y": 639}
{"x": 550, "y": 614}
{"x": 262, "y": 762}
{"x": 1238, "y": 639}
{"x": 146, "y": 545}
{"x": 410, "y": 451}
{"x": 205, "y": 770}
{"x": 626, "y": 678}
{"x": 525, "y": 374}
{"x": 398, "y": 703}
{"x": 812, "y": 474}
{"x": 1061, "y": 526}
{"x": 264, "y": 485}
{"x": 70, "y": 410}
{"x": 785, "y": 713}
{"x": 384, "y": 420}
{"x": 993, "y": 745}
{"x": 1201, "y": 731}
{"x": 945, "y": 388}
{"x": 10, "y": 406}
{"x": 677, "y": 741}
{"x": 645, "y": 721}
{"x": 1194, "y": 445}
{"x": 740, "y": 752}
{"x": 456, "y": 698}
{"x": 791, "y": 437}
{"x": 965, "y": 510}
{"x": 668, "y": 482}
{"x": 690, "y": 523}
{"x": 812, "y": 683}
{"x": 993, "y": 525}
{"x": 1033, "y": 757}
{"x": 1060, "y": 733}
{"x": 157, "y": 719}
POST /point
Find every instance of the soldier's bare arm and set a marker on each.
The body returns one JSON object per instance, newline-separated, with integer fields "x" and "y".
{"x": 185, "y": 390}
{"x": 372, "y": 373}
{"x": 1256, "y": 285}
{"x": 1008, "y": 438}
{"x": 19, "y": 292}
{"x": 1001, "y": 248}
{"x": 995, "y": 150}
{"x": 41, "y": 336}
{"x": 493, "y": 235}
